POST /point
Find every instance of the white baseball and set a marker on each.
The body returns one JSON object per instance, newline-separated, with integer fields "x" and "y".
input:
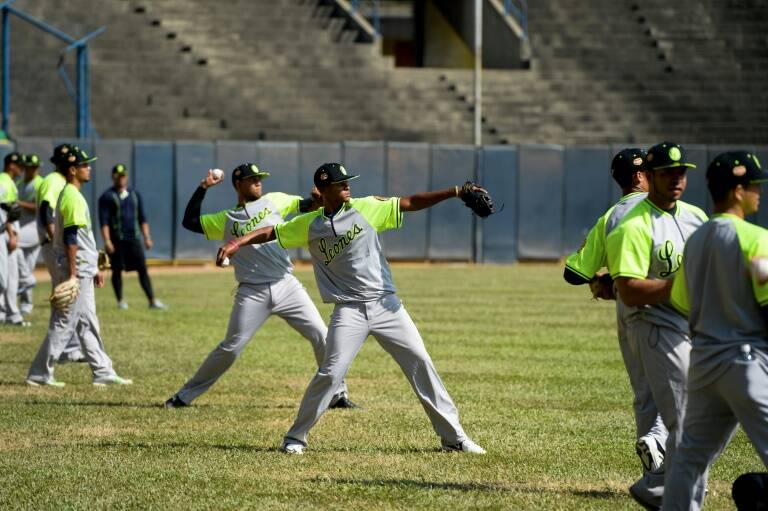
{"x": 759, "y": 269}
{"x": 217, "y": 173}
{"x": 225, "y": 262}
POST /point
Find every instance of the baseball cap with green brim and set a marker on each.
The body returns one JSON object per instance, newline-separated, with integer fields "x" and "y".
{"x": 120, "y": 169}
{"x": 30, "y": 160}
{"x": 247, "y": 170}
{"x": 735, "y": 168}
{"x": 667, "y": 155}
{"x": 332, "y": 173}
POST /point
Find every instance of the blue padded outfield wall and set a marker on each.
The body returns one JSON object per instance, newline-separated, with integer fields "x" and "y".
{"x": 548, "y": 196}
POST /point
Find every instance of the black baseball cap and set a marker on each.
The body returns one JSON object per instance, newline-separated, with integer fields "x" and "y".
{"x": 667, "y": 155}
{"x": 30, "y": 160}
{"x": 247, "y": 170}
{"x": 120, "y": 169}
{"x": 734, "y": 168}
{"x": 13, "y": 157}
{"x": 332, "y": 173}
{"x": 626, "y": 163}
{"x": 65, "y": 155}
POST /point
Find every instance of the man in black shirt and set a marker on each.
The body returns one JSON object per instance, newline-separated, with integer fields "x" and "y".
{"x": 121, "y": 215}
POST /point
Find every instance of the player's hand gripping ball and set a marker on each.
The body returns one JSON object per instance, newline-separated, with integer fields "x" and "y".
{"x": 225, "y": 262}
{"x": 477, "y": 199}
{"x": 218, "y": 174}
{"x": 601, "y": 287}
{"x": 759, "y": 269}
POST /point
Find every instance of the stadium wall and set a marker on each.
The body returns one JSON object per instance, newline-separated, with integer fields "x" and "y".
{"x": 547, "y": 196}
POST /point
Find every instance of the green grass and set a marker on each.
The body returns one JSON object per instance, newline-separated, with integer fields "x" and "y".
{"x": 531, "y": 362}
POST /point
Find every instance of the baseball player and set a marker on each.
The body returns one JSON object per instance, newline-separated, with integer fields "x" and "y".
{"x": 9, "y": 260}
{"x": 264, "y": 273}
{"x": 76, "y": 262}
{"x": 644, "y": 252}
{"x": 352, "y": 273}
{"x": 121, "y": 215}
{"x": 727, "y": 309}
{"x": 29, "y": 242}
{"x": 581, "y": 267}
{"x": 47, "y": 198}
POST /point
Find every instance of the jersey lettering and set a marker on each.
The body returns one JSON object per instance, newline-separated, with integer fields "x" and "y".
{"x": 341, "y": 243}
{"x": 667, "y": 254}
{"x": 239, "y": 230}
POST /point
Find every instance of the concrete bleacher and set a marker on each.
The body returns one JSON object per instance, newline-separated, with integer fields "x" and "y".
{"x": 603, "y": 71}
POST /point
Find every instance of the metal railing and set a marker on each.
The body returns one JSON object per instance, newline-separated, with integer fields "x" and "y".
{"x": 519, "y": 10}
{"x": 80, "y": 95}
{"x": 370, "y": 9}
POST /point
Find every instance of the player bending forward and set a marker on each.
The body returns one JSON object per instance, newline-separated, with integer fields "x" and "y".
{"x": 264, "y": 273}
{"x": 352, "y": 273}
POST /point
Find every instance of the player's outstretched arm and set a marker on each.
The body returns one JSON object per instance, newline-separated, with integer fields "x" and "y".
{"x": 637, "y": 292}
{"x": 191, "y": 220}
{"x": 257, "y": 237}
{"x": 426, "y": 200}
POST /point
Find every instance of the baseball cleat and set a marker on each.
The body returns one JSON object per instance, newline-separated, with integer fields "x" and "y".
{"x": 122, "y": 305}
{"x": 47, "y": 383}
{"x": 467, "y": 446}
{"x": 343, "y": 401}
{"x": 174, "y": 402}
{"x": 114, "y": 380}
{"x": 639, "y": 493}
{"x": 292, "y": 448}
{"x": 651, "y": 454}
{"x": 158, "y": 305}
{"x": 20, "y": 324}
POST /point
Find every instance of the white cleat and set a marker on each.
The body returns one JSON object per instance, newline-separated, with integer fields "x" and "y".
{"x": 114, "y": 380}
{"x": 291, "y": 448}
{"x": 467, "y": 446}
{"x": 48, "y": 383}
{"x": 651, "y": 454}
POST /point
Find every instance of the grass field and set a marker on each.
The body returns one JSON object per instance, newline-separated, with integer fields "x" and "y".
{"x": 531, "y": 362}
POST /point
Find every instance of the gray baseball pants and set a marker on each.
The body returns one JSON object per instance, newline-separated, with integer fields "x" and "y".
{"x": 647, "y": 418}
{"x": 27, "y": 279}
{"x": 3, "y": 272}
{"x": 254, "y": 303}
{"x": 664, "y": 357}
{"x": 9, "y": 304}
{"x": 738, "y": 396}
{"x": 388, "y": 321}
{"x": 80, "y": 321}
{"x": 72, "y": 349}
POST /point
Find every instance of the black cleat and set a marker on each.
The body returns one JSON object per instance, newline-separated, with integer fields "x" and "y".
{"x": 175, "y": 402}
{"x": 344, "y": 402}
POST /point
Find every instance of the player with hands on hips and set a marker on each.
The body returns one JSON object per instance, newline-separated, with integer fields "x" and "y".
{"x": 266, "y": 285}
{"x": 353, "y": 274}
{"x": 73, "y": 310}
{"x": 728, "y": 312}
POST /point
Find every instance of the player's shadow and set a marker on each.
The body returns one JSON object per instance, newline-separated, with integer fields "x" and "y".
{"x": 115, "y": 404}
{"x": 469, "y": 487}
{"x": 185, "y": 445}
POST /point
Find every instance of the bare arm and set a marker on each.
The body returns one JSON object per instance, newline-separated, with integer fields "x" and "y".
{"x": 108, "y": 246}
{"x": 257, "y": 237}
{"x": 29, "y": 206}
{"x": 637, "y": 292}
{"x": 148, "y": 244}
{"x": 71, "y": 254}
{"x": 426, "y": 200}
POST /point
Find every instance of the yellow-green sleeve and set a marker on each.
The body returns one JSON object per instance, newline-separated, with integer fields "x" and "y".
{"x": 629, "y": 249}
{"x": 753, "y": 241}
{"x": 295, "y": 232}
{"x": 679, "y": 295}
{"x": 587, "y": 260}
{"x": 286, "y": 204}
{"x": 382, "y": 213}
{"x": 74, "y": 209}
{"x": 213, "y": 225}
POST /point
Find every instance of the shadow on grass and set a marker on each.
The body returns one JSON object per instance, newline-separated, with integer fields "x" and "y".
{"x": 185, "y": 445}
{"x": 471, "y": 487}
{"x": 118, "y": 404}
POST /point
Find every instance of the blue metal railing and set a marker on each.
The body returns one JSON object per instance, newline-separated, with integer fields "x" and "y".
{"x": 372, "y": 7}
{"x": 80, "y": 95}
{"x": 519, "y": 10}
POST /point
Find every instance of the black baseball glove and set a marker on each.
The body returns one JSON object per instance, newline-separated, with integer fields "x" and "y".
{"x": 13, "y": 209}
{"x": 477, "y": 199}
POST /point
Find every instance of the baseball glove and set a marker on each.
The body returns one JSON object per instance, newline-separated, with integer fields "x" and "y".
{"x": 65, "y": 294}
{"x": 602, "y": 287}
{"x": 477, "y": 199}
{"x": 13, "y": 209}
{"x": 104, "y": 263}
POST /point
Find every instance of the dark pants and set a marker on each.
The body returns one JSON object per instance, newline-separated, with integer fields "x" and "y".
{"x": 129, "y": 256}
